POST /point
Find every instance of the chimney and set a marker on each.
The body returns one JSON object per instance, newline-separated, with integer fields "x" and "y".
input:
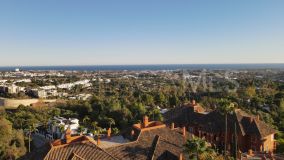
{"x": 183, "y": 131}
{"x": 172, "y": 126}
{"x": 145, "y": 121}
{"x": 109, "y": 133}
{"x": 250, "y": 152}
{"x": 99, "y": 141}
{"x": 251, "y": 119}
{"x": 257, "y": 117}
{"x": 68, "y": 135}
{"x": 132, "y": 134}
{"x": 180, "y": 156}
{"x": 193, "y": 102}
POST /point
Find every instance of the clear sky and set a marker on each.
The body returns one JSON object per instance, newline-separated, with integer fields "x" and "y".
{"x": 82, "y": 32}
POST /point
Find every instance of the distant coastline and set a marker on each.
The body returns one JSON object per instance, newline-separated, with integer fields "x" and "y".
{"x": 147, "y": 67}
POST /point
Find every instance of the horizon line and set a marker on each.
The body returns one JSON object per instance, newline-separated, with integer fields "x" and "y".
{"x": 142, "y": 64}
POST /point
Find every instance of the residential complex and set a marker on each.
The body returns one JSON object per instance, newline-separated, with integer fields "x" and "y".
{"x": 252, "y": 133}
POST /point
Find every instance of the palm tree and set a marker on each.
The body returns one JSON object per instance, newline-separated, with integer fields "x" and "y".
{"x": 61, "y": 129}
{"x": 86, "y": 121}
{"x": 195, "y": 147}
{"x": 94, "y": 124}
{"x": 225, "y": 107}
{"x": 32, "y": 128}
{"x": 110, "y": 121}
{"x": 96, "y": 129}
{"x": 53, "y": 123}
{"x": 81, "y": 129}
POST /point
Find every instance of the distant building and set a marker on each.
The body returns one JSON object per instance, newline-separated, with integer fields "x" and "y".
{"x": 3, "y": 81}
{"x": 39, "y": 93}
{"x": 83, "y": 96}
{"x": 52, "y": 93}
{"x": 23, "y": 80}
{"x": 51, "y": 87}
{"x": 66, "y": 86}
{"x": 107, "y": 81}
{"x": 13, "y": 89}
{"x": 17, "y": 69}
{"x": 3, "y": 89}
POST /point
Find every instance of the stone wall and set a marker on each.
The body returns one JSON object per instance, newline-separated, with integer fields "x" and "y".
{"x": 16, "y": 102}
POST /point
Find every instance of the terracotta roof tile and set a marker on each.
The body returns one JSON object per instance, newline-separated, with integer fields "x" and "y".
{"x": 215, "y": 122}
{"x": 78, "y": 150}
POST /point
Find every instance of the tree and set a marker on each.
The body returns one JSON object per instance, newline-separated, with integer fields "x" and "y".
{"x": 281, "y": 114}
{"x": 81, "y": 129}
{"x": 235, "y": 147}
{"x": 32, "y": 129}
{"x": 174, "y": 101}
{"x": 110, "y": 122}
{"x": 86, "y": 121}
{"x": 195, "y": 147}
{"x": 155, "y": 114}
{"x": 250, "y": 91}
{"x": 96, "y": 129}
{"x": 148, "y": 99}
{"x": 114, "y": 106}
{"x": 138, "y": 110}
{"x": 225, "y": 107}
{"x": 62, "y": 129}
{"x": 160, "y": 98}
{"x": 256, "y": 102}
{"x": 12, "y": 144}
{"x": 94, "y": 125}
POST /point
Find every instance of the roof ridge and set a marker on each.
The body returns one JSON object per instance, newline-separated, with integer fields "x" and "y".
{"x": 239, "y": 121}
{"x": 257, "y": 126}
{"x": 66, "y": 144}
{"x": 132, "y": 142}
{"x": 94, "y": 142}
{"x": 154, "y": 147}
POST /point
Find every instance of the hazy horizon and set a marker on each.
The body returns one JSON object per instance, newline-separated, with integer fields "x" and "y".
{"x": 142, "y": 64}
{"x": 126, "y": 32}
{"x": 153, "y": 67}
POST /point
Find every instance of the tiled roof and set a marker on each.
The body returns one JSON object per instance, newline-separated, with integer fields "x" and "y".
{"x": 214, "y": 122}
{"x": 151, "y": 144}
{"x": 85, "y": 150}
{"x": 154, "y": 142}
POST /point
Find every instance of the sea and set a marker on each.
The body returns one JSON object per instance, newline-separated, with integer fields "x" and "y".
{"x": 146, "y": 67}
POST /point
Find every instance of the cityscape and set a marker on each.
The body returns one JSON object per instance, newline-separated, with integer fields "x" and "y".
{"x": 142, "y": 80}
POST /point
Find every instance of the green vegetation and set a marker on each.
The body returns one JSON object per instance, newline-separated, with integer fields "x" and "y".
{"x": 122, "y": 102}
{"x": 198, "y": 149}
{"x": 225, "y": 107}
{"x": 11, "y": 140}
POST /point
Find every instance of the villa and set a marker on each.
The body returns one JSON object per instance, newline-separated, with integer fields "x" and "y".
{"x": 147, "y": 140}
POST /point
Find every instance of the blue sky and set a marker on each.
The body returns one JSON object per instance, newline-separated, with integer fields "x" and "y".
{"x": 73, "y": 32}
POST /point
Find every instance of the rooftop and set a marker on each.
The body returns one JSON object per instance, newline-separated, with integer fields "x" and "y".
{"x": 148, "y": 140}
